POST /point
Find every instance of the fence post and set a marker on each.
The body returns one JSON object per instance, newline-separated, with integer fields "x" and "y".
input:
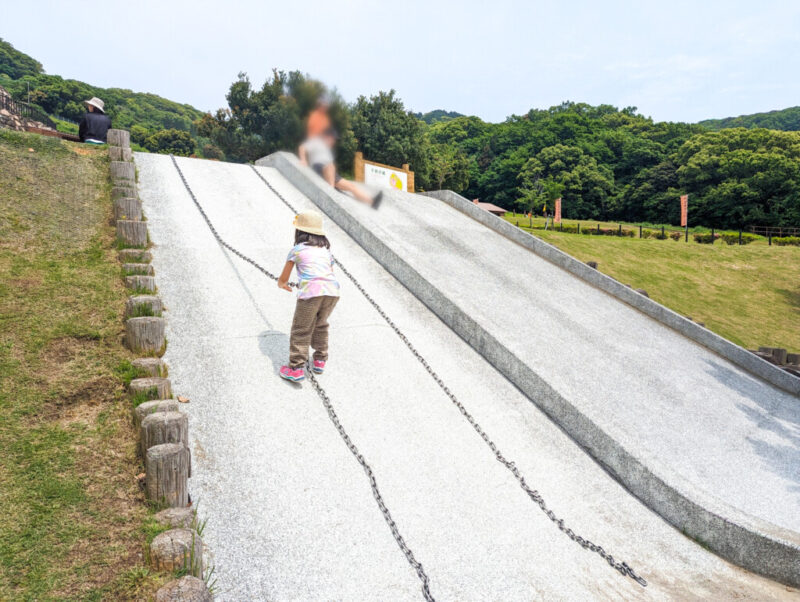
{"x": 579, "y": 227}
{"x": 687, "y": 234}
{"x": 619, "y": 231}
{"x": 769, "y": 238}
{"x": 640, "y": 230}
{"x": 740, "y": 236}
{"x": 598, "y": 228}
{"x": 662, "y": 231}
{"x": 712, "y": 236}
{"x": 560, "y": 226}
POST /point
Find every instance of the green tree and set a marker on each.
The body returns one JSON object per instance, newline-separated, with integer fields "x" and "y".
{"x": 449, "y": 168}
{"x": 175, "y": 142}
{"x": 567, "y": 170}
{"x": 387, "y": 133}
{"x": 261, "y": 121}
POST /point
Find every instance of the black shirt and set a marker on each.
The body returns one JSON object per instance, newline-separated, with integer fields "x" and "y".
{"x": 94, "y": 126}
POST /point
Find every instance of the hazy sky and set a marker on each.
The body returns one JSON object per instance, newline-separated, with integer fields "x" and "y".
{"x": 675, "y": 60}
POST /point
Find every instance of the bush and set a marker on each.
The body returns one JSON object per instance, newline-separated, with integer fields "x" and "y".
{"x": 782, "y": 241}
{"x": 704, "y": 238}
{"x": 675, "y": 235}
{"x": 170, "y": 141}
{"x": 732, "y": 238}
{"x": 211, "y": 151}
{"x": 660, "y": 235}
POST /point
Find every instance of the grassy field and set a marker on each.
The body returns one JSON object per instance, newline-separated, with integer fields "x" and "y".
{"x": 73, "y": 520}
{"x": 749, "y": 294}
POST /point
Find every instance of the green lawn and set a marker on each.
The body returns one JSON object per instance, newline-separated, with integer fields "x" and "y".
{"x": 749, "y": 294}
{"x": 73, "y": 521}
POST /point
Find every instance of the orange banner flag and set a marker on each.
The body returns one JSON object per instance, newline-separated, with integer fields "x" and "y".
{"x": 684, "y": 210}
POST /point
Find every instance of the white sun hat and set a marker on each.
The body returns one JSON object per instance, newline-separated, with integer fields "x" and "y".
{"x": 96, "y": 103}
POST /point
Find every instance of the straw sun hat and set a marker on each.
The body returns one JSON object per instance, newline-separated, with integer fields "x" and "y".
{"x": 309, "y": 221}
{"x": 96, "y": 103}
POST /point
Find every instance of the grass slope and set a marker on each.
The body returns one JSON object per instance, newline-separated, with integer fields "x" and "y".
{"x": 73, "y": 521}
{"x": 747, "y": 294}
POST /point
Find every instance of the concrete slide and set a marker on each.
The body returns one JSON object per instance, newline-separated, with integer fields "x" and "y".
{"x": 291, "y": 514}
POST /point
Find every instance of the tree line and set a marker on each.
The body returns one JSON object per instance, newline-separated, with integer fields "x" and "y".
{"x": 606, "y": 163}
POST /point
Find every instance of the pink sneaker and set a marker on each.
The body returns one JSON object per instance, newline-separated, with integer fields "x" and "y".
{"x": 319, "y": 366}
{"x": 293, "y": 374}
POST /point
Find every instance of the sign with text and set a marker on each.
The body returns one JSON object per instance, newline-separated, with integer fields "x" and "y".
{"x": 557, "y": 216}
{"x": 385, "y": 177}
{"x": 684, "y": 210}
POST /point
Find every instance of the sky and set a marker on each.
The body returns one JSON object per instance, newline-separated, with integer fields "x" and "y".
{"x": 675, "y": 61}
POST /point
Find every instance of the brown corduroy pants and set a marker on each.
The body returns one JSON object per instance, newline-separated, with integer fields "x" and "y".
{"x": 310, "y": 326}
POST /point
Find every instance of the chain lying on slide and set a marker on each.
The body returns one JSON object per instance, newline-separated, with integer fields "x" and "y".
{"x": 376, "y": 493}
{"x": 533, "y": 494}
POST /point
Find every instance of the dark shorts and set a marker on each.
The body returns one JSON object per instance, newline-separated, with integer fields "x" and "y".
{"x": 319, "y": 167}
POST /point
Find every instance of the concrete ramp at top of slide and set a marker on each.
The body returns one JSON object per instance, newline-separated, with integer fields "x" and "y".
{"x": 710, "y": 446}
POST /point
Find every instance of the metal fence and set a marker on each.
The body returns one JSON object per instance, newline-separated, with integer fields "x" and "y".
{"x": 779, "y": 231}
{"x": 23, "y": 109}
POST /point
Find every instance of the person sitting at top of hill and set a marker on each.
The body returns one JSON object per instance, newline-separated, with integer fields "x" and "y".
{"x": 94, "y": 125}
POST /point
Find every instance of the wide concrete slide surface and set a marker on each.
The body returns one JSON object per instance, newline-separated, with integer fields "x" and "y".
{"x": 711, "y": 447}
{"x": 290, "y": 512}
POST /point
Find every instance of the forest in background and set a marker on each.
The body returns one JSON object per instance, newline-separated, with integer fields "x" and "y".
{"x": 606, "y": 163}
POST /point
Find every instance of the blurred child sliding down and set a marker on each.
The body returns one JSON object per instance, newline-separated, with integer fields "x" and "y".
{"x": 317, "y": 294}
{"x": 317, "y": 152}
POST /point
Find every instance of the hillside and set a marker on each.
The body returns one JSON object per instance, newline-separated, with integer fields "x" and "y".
{"x": 437, "y": 116}
{"x": 784, "y": 119}
{"x": 73, "y": 516}
{"x": 142, "y": 113}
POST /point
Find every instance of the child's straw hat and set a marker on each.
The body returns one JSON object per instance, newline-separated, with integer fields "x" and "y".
{"x": 309, "y": 221}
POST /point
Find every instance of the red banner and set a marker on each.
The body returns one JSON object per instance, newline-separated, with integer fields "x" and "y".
{"x": 684, "y": 210}
{"x": 557, "y": 216}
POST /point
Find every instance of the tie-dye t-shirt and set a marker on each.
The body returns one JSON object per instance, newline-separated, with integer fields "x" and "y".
{"x": 315, "y": 271}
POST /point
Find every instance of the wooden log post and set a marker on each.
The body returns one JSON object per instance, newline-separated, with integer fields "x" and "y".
{"x": 128, "y": 190}
{"x": 152, "y": 366}
{"x": 141, "y": 283}
{"x": 185, "y": 589}
{"x": 177, "y": 550}
{"x": 119, "y": 138}
{"x": 142, "y": 306}
{"x": 120, "y": 153}
{"x": 152, "y": 387}
{"x": 135, "y": 256}
{"x": 127, "y": 208}
{"x": 142, "y": 269}
{"x": 167, "y": 472}
{"x": 143, "y": 410}
{"x": 132, "y": 233}
{"x": 123, "y": 170}
{"x": 145, "y": 334}
{"x": 164, "y": 427}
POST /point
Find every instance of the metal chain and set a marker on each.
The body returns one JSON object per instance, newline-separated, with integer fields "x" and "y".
{"x": 533, "y": 494}
{"x": 376, "y": 493}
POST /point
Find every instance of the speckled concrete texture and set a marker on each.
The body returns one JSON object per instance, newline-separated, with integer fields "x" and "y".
{"x": 291, "y": 515}
{"x": 576, "y": 351}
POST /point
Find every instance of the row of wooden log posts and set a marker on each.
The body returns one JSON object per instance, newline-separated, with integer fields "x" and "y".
{"x": 663, "y": 231}
{"x": 163, "y": 430}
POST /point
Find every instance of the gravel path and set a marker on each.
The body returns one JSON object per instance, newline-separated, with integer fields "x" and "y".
{"x": 291, "y": 515}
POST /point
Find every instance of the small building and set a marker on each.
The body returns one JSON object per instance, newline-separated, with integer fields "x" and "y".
{"x": 491, "y": 208}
